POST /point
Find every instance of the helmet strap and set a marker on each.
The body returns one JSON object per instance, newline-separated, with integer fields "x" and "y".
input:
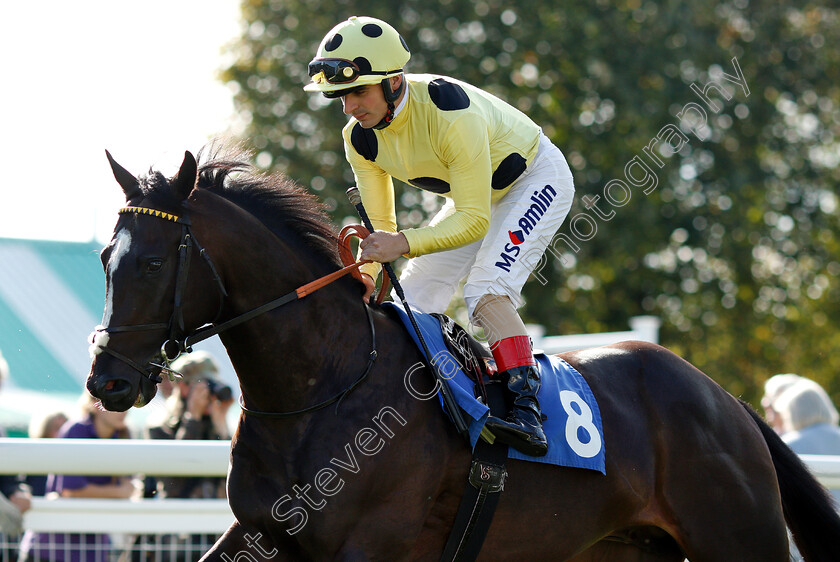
{"x": 391, "y": 97}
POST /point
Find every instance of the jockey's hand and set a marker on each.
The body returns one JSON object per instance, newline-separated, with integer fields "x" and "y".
{"x": 384, "y": 246}
{"x": 370, "y": 286}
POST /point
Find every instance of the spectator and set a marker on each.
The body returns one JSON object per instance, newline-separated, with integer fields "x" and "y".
{"x": 15, "y": 500}
{"x": 809, "y": 419}
{"x": 96, "y": 423}
{"x": 44, "y": 426}
{"x": 14, "y": 494}
{"x": 196, "y": 409}
{"x": 773, "y": 388}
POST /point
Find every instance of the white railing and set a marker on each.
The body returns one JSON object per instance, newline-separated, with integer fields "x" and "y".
{"x": 121, "y": 457}
{"x": 826, "y": 468}
{"x": 644, "y": 328}
{"x": 84, "y": 515}
{"x": 112, "y": 457}
{"x": 170, "y": 458}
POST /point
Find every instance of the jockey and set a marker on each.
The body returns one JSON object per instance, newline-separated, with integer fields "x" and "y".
{"x": 508, "y": 190}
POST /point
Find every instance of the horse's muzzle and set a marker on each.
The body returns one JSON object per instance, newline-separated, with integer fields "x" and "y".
{"x": 118, "y": 394}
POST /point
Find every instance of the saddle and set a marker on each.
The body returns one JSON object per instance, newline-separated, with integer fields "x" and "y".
{"x": 564, "y": 394}
{"x": 476, "y": 360}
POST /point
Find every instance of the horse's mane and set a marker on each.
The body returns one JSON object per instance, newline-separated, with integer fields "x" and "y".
{"x": 278, "y": 202}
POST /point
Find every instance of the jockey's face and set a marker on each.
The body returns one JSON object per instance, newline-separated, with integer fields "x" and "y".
{"x": 367, "y": 103}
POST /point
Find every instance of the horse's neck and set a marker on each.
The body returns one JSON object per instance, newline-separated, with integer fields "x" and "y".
{"x": 386, "y": 402}
{"x": 303, "y": 350}
{"x": 299, "y": 356}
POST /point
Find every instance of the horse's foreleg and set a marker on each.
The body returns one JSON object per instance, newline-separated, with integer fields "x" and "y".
{"x": 243, "y": 544}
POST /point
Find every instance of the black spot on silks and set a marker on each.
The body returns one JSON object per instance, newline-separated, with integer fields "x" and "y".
{"x": 508, "y": 170}
{"x": 448, "y": 96}
{"x": 364, "y": 141}
{"x": 434, "y": 185}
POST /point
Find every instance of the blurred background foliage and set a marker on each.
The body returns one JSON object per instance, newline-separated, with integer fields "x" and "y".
{"x": 736, "y": 249}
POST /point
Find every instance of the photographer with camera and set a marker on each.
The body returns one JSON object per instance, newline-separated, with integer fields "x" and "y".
{"x": 196, "y": 409}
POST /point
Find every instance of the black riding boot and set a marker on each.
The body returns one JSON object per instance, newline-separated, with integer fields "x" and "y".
{"x": 522, "y": 429}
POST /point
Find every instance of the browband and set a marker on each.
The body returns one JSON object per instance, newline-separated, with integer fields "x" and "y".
{"x": 154, "y": 213}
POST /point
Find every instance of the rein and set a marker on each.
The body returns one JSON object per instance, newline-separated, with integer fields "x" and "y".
{"x": 173, "y": 347}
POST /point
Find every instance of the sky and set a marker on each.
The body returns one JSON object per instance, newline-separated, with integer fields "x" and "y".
{"x": 137, "y": 78}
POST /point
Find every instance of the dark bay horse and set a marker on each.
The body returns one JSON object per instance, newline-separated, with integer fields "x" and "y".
{"x": 691, "y": 472}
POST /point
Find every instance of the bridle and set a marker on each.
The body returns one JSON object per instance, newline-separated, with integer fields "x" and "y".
{"x": 173, "y": 346}
{"x": 178, "y": 342}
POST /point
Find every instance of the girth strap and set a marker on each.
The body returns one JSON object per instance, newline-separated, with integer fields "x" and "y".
{"x": 484, "y": 486}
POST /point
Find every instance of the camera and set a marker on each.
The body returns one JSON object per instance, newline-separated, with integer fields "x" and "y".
{"x": 221, "y": 391}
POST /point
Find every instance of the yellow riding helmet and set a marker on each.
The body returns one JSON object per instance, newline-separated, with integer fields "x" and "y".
{"x": 358, "y": 51}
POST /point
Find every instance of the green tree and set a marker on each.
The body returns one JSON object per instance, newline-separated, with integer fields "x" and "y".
{"x": 736, "y": 245}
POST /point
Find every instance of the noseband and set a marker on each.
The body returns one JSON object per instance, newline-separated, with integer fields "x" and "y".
{"x": 176, "y": 345}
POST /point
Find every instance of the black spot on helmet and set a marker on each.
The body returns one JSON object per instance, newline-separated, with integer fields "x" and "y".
{"x": 372, "y": 44}
{"x": 334, "y": 42}
{"x": 372, "y": 30}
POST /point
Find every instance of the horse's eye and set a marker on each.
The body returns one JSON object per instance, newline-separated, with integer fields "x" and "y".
{"x": 154, "y": 266}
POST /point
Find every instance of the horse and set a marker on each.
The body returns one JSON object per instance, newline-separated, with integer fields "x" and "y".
{"x": 334, "y": 459}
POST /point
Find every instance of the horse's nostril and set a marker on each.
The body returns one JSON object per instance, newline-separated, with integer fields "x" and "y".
{"x": 119, "y": 386}
{"x": 113, "y": 389}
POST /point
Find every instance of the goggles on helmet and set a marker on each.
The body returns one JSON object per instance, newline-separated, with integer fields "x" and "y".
{"x": 339, "y": 71}
{"x": 334, "y": 71}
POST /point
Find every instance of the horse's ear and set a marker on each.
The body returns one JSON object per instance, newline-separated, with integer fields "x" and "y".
{"x": 128, "y": 182}
{"x": 184, "y": 180}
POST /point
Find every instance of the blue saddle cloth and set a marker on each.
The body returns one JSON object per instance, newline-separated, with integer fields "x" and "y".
{"x": 573, "y": 421}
